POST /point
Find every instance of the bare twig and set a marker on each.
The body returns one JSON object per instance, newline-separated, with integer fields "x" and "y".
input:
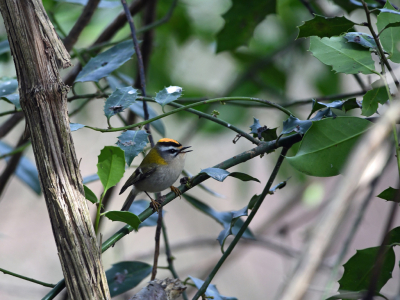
{"x": 80, "y": 24}
{"x": 27, "y": 278}
{"x": 11, "y": 122}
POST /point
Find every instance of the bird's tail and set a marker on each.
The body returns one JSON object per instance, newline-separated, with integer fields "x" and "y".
{"x": 129, "y": 200}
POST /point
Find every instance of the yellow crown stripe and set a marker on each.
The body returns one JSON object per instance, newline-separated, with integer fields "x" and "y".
{"x": 167, "y": 140}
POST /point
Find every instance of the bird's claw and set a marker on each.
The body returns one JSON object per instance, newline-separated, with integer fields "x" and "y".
{"x": 176, "y": 191}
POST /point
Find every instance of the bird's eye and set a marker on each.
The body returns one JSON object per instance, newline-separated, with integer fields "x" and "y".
{"x": 172, "y": 151}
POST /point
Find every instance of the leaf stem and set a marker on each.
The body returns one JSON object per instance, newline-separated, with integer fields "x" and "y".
{"x": 27, "y": 278}
{"x": 96, "y": 225}
{"x": 228, "y": 251}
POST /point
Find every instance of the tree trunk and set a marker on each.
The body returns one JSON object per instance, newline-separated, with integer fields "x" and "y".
{"x": 37, "y": 53}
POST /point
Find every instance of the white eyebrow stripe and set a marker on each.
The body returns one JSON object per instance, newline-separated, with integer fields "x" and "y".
{"x": 166, "y": 148}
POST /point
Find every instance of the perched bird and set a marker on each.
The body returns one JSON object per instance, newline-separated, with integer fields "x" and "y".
{"x": 159, "y": 169}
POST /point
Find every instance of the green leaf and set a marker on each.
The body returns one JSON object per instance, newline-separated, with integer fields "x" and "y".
{"x": 102, "y": 4}
{"x": 89, "y": 195}
{"x": 293, "y": 124}
{"x": 13, "y": 99}
{"x": 111, "y": 166}
{"x": 106, "y": 62}
{"x": 228, "y": 226}
{"x": 119, "y": 101}
{"x": 75, "y": 126}
{"x": 125, "y": 217}
{"x": 358, "y": 270}
{"x": 126, "y": 275}
{"x": 211, "y": 292}
{"x": 4, "y": 47}
{"x": 395, "y": 24}
{"x": 253, "y": 201}
{"x": 350, "y": 6}
{"x": 371, "y": 99}
{"x": 168, "y": 95}
{"x": 222, "y": 217}
{"x": 325, "y": 27}
{"x": 319, "y": 105}
{"x": 221, "y": 174}
{"x": 263, "y": 132}
{"x": 326, "y": 145}
{"x": 390, "y": 37}
{"x": 132, "y": 142}
{"x": 388, "y": 195}
{"x": 8, "y": 86}
{"x": 350, "y": 104}
{"x": 393, "y": 236}
{"x": 138, "y": 206}
{"x": 26, "y": 170}
{"x": 241, "y": 20}
{"x": 344, "y": 57}
{"x": 362, "y": 39}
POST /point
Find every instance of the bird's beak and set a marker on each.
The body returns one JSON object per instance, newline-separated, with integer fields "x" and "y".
{"x": 183, "y": 148}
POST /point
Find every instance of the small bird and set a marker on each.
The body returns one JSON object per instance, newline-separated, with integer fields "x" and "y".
{"x": 159, "y": 169}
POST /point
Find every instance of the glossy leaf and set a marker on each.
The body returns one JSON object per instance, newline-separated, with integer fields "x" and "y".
{"x": 132, "y": 142}
{"x": 8, "y": 86}
{"x": 111, "y": 166}
{"x": 221, "y": 174}
{"x": 362, "y": 39}
{"x": 241, "y": 20}
{"x": 26, "y": 170}
{"x": 125, "y": 217}
{"x": 136, "y": 107}
{"x": 119, "y": 100}
{"x": 126, "y": 275}
{"x": 344, "y": 57}
{"x": 393, "y": 236}
{"x": 350, "y": 104}
{"x": 102, "y": 4}
{"x": 351, "y": 5}
{"x": 89, "y": 195}
{"x": 358, "y": 270}
{"x": 138, "y": 206}
{"x": 228, "y": 226}
{"x": 325, "y": 27}
{"x": 168, "y": 95}
{"x": 388, "y": 194}
{"x": 211, "y": 291}
{"x": 4, "y": 47}
{"x": 223, "y": 217}
{"x": 327, "y": 144}
{"x": 253, "y": 201}
{"x": 106, "y": 62}
{"x": 263, "y": 132}
{"x": 371, "y": 99}
{"x": 13, "y": 99}
{"x": 319, "y": 105}
{"x": 293, "y": 124}
{"x": 75, "y": 126}
{"x": 390, "y": 37}
{"x": 204, "y": 187}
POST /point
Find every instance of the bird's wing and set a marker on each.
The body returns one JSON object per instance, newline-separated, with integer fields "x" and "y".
{"x": 139, "y": 174}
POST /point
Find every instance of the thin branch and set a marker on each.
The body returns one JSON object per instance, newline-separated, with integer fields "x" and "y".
{"x": 10, "y": 112}
{"x": 222, "y": 99}
{"x": 11, "y": 122}
{"x": 381, "y": 52}
{"x": 237, "y": 159}
{"x": 80, "y": 24}
{"x": 246, "y": 223}
{"x": 107, "y": 34}
{"x": 157, "y": 245}
{"x": 16, "y": 150}
{"x": 27, "y": 278}
{"x": 12, "y": 165}
{"x": 377, "y": 269}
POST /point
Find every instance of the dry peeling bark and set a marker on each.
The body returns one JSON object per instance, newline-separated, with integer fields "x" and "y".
{"x": 38, "y": 53}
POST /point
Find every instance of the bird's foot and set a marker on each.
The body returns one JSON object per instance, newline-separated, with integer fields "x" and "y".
{"x": 176, "y": 191}
{"x": 156, "y": 204}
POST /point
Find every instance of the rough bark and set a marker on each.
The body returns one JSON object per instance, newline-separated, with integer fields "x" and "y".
{"x": 37, "y": 53}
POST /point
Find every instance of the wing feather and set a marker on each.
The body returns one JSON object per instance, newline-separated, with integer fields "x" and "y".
{"x": 139, "y": 174}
